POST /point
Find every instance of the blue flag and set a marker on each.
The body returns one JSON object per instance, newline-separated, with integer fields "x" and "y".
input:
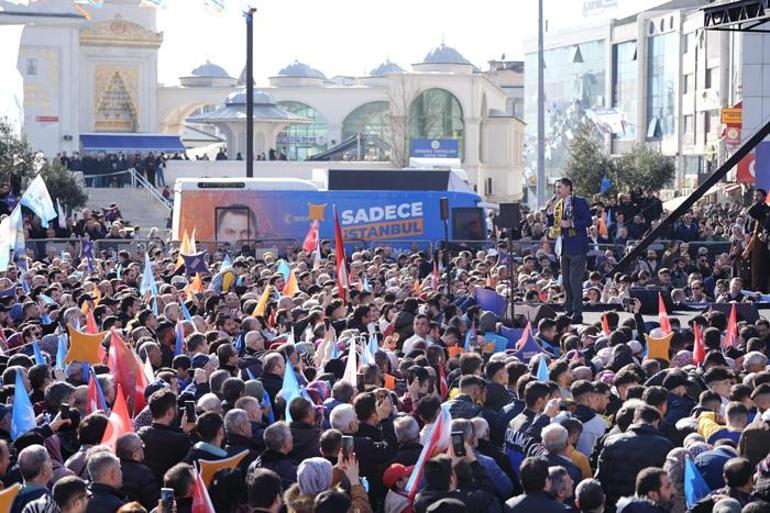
{"x": 605, "y": 184}
{"x": 373, "y": 345}
{"x": 148, "y": 285}
{"x": 186, "y": 313}
{"x": 39, "y": 360}
{"x": 695, "y": 487}
{"x": 25, "y": 286}
{"x": 37, "y": 199}
{"x": 267, "y": 404}
{"x": 100, "y": 394}
{"x": 290, "y": 387}
{"x": 196, "y": 263}
{"x": 87, "y": 372}
{"x": 47, "y": 299}
{"x": 284, "y": 269}
{"x": 179, "y": 345}
{"x": 9, "y": 292}
{"x": 542, "y": 370}
{"x": 119, "y": 271}
{"x": 239, "y": 344}
{"x": 87, "y": 252}
{"x": 23, "y": 416}
{"x": 335, "y": 350}
{"x": 61, "y": 351}
{"x": 491, "y": 301}
{"x": 365, "y": 285}
{"x": 45, "y": 319}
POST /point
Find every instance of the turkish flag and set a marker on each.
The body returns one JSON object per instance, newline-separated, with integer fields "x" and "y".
{"x": 745, "y": 172}
{"x": 311, "y": 239}
{"x": 120, "y": 420}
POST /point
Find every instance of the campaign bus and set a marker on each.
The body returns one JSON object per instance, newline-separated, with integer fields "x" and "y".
{"x": 375, "y": 207}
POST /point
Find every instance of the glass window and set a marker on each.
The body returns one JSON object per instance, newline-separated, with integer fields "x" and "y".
{"x": 624, "y": 87}
{"x": 369, "y": 119}
{"x": 571, "y": 88}
{"x": 300, "y": 141}
{"x": 437, "y": 114}
{"x": 687, "y": 83}
{"x": 662, "y": 76}
{"x": 711, "y": 74}
{"x": 688, "y": 123}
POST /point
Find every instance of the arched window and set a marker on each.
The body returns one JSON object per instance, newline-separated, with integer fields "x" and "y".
{"x": 300, "y": 141}
{"x": 437, "y": 114}
{"x": 370, "y": 119}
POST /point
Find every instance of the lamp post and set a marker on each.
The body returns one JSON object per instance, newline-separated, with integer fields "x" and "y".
{"x": 541, "y": 185}
{"x": 249, "y": 14}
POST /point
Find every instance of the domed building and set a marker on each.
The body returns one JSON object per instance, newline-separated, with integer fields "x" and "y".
{"x": 230, "y": 119}
{"x": 208, "y": 75}
{"x": 298, "y": 74}
{"x": 386, "y": 68}
{"x": 444, "y": 59}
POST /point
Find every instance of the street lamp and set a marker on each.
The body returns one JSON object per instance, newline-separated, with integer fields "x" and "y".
{"x": 249, "y": 15}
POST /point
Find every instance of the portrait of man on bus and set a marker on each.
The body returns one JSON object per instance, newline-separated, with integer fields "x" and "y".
{"x": 235, "y": 223}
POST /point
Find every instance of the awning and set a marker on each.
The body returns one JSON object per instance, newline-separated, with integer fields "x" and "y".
{"x": 131, "y": 142}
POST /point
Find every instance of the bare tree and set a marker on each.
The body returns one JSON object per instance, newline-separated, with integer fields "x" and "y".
{"x": 401, "y": 93}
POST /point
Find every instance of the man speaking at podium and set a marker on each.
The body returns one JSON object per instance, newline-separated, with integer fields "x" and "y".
{"x": 569, "y": 218}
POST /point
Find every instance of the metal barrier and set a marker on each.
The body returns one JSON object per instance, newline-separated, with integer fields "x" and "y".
{"x": 41, "y": 248}
{"x": 135, "y": 181}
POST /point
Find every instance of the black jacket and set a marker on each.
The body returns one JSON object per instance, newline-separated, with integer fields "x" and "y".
{"x": 279, "y": 463}
{"x": 540, "y": 502}
{"x": 375, "y": 446}
{"x": 273, "y": 384}
{"x": 626, "y": 454}
{"x": 477, "y": 496}
{"x": 139, "y": 483}
{"x": 407, "y": 454}
{"x": 306, "y": 441}
{"x": 238, "y": 443}
{"x": 463, "y": 407}
{"x": 164, "y": 447}
{"x": 104, "y": 499}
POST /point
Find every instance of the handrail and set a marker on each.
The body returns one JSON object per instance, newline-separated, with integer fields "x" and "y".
{"x": 153, "y": 191}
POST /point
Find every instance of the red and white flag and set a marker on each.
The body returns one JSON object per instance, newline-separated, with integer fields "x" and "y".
{"x": 665, "y": 325}
{"x": 119, "y": 422}
{"x": 311, "y": 239}
{"x": 201, "y": 502}
{"x": 699, "y": 348}
{"x": 343, "y": 284}
{"x": 731, "y": 335}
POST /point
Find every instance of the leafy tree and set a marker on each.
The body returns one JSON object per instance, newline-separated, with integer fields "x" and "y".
{"x": 588, "y": 163}
{"x": 643, "y": 167}
{"x": 18, "y": 166}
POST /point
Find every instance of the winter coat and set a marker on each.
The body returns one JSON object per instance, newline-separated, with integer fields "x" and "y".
{"x": 104, "y": 499}
{"x": 279, "y": 463}
{"x": 164, "y": 447}
{"x": 139, "y": 483}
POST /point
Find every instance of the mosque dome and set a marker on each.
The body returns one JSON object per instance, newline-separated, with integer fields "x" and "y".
{"x": 444, "y": 55}
{"x": 239, "y": 98}
{"x": 385, "y": 68}
{"x": 209, "y": 70}
{"x": 300, "y": 70}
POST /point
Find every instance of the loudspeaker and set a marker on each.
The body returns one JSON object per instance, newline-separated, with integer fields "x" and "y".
{"x": 510, "y": 215}
{"x": 444, "y": 207}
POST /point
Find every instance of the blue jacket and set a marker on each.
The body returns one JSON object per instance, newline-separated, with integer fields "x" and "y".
{"x": 711, "y": 465}
{"x": 502, "y": 483}
{"x": 577, "y": 244}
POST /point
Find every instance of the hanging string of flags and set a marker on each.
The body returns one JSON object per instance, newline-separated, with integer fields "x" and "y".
{"x": 82, "y": 6}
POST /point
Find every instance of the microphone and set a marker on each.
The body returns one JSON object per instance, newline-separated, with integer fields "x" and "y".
{"x": 550, "y": 201}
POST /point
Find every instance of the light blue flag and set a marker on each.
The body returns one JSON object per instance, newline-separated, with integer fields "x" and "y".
{"x": 148, "y": 280}
{"x": 250, "y": 374}
{"x": 335, "y": 350}
{"x": 187, "y": 316}
{"x": 290, "y": 387}
{"x": 284, "y": 269}
{"x": 469, "y": 335}
{"x": 39, "y": 360}
{"x": 179, "y": 344}
{"x": 47, "y": 299}
{"x": 226, "y": 262}
{"x": 61, "y": 351}
{"x": 37, "y": 199}
{"x": 23, "y": 416}
{"x": 239, "y": 344}
{"x": 45, "y": 319}
{"x": 119, "y": 271}
{"x": 365, "y": 285}
{"x": 695, "y": 487}
{"x": 373, "y": 345}
{"x": 24, "y": 286}
{"x": 542, "y": 370}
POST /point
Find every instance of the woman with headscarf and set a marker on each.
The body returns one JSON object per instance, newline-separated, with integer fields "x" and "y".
{"x": 314, "y": 475}
{"x": 674, "y": 467}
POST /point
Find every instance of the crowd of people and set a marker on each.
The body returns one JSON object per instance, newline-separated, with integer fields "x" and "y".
{"x": 389, "y": 387}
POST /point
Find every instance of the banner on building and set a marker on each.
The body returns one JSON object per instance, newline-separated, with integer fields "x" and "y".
{"x": 436, "y": 148}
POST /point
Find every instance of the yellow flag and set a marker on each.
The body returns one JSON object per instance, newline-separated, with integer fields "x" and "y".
{"x": 196, "y": 285}
{"x": 97, "y": 295}
{"x": 291, "y": 286}
{"x": 184, "y": 249}
{"x": 7, "y": 496}
{"x": 84, "y": 347}
{"x": 262, "y": 305}
{"x": 210, "y": 468}
{"x": 657, "y": 348}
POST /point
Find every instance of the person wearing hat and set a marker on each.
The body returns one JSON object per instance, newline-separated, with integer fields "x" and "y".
{"x": 395, "y": 478}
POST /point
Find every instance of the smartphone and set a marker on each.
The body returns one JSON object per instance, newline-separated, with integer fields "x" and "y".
{"x": 189, "y": 408}
{"x": 458, "y": 443}
{"x": 347, "y": 446}
{"x": 64, "y": 410}
{"x": 360, "y": 382}
{"x": 166, "y": 500}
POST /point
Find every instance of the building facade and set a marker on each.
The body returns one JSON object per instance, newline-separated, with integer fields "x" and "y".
{"x": 655, "y": 77}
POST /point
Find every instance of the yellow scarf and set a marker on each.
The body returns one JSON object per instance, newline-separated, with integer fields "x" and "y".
{"x": 558, "y": 214}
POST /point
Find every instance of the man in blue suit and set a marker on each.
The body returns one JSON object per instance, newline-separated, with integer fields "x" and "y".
{"x": 573, "y": 226}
